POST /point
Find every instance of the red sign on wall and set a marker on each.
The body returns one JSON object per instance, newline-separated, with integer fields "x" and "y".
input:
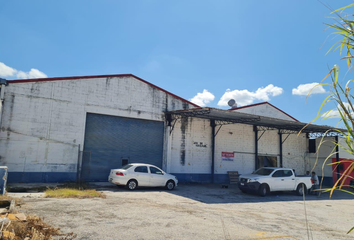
{"x": 341, "y": 168}
{"x": 227, "y": 156}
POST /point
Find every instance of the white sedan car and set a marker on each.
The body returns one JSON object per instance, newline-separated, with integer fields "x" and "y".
{"x": 142, "y": 175}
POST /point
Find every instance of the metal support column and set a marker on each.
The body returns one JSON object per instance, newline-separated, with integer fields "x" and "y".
{"x": 212, "y": 124}
{"x": 280, "y": 149}
{"x": 255, "y": 146}
{"x": 79, "y": 165}
{"x": 3, "y": 83}
{"x": 337, "y": 157}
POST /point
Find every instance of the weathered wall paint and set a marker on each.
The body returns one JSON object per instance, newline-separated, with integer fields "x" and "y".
{"x": 321, "y": 163}
{"x": 265, "y": 110}
{"x": 237, "y": 138}
{"x": 318, "y": 162}
{"x": 43, "y": 123}
{"x": 295, "y": 151}
{"x": 187, "y": 139}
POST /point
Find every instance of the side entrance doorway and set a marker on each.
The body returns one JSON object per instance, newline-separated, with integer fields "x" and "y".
{"x": 267, "y": 161}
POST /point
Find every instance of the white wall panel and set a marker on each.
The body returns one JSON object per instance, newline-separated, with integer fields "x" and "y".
{"x": 43, "y": 123}
{"x": 265, "y": 110}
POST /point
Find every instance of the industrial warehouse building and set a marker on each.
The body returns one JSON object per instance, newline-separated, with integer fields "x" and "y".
{"x": 65, "y": 129}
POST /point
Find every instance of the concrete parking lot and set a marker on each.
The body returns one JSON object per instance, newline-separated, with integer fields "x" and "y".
{"x": 196, "y": 212}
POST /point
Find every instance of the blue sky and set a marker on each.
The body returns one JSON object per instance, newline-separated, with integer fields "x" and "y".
{"x": 181, "y": 46}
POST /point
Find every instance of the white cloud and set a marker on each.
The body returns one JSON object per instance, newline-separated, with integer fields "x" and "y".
{"x": 304, "y": 89}
{"x": 245, "y": 97}
{"x": 34, "y": 73}
{"x": 202, "y": 99}
{"x": 6, "y": 71}
{"x": 334, "y": 113}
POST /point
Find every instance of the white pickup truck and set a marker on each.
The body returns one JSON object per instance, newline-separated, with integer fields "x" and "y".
{"x": 270, "y": 179}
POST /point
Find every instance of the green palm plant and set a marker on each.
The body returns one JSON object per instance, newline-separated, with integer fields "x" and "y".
{"x": 341, "y": 95}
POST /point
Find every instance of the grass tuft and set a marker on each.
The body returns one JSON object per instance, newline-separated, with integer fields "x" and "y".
{"x": 72, "y": 193}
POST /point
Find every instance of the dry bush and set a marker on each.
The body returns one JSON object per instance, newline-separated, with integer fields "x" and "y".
{"x": 18, "y": 201}
{"x": 35, "y": 229}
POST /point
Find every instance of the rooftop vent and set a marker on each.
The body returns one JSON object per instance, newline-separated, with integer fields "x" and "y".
{"x": 232, "y": 103}
{"x": 3, "y": 82}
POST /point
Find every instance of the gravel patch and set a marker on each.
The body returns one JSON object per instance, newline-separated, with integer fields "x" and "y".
{"x": 196, "y": 212}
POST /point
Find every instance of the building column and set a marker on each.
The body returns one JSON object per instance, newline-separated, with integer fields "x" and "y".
{"x": 280, "y": 149}
{"x": 255, "y": 147}
{"x": 212, "y": 124}
{"x": 337, "y": 157}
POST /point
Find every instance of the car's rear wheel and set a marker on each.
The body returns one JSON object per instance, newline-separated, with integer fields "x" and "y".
{"x": 263, "y": 190}
{"x": 132, "y": 184}
{"x": 244, "y": 191}
{"x": 301, "y": 189}
{"x": 170, "y": 185}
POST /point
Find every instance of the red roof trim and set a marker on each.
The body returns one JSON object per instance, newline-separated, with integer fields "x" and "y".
{"x": 257, "y": 104}
{"x": 98, "y": 76}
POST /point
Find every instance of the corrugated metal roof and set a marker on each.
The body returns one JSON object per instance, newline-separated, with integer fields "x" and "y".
{"x": 226, "y": 116}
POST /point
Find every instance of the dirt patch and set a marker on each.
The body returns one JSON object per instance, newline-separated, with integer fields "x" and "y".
{"x": 196, "y": 212}
{"x": 66, "y": 190}
{"x": 21, "y": 189}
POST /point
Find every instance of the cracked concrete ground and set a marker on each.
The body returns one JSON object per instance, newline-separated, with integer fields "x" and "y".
{"x": 196, "y": 212}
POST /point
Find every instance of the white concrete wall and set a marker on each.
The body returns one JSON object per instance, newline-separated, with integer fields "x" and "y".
{"x": 190, "y": 146}
{"x": 236, "y": 138}
{"x": 295, "y": 150}
{"x": 318, "y": 162}
{"x": 343, "y": 153}
{"x": 43, "y": 123}
{"x": 191, "y": 140}
{"x": 43, "y": 126}
{"x": 268, "y": 144}
{"x": 265, "y": 110}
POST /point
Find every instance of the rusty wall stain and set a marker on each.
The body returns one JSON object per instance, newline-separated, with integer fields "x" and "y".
{"x": 184, "y": 126}
{"x": 12, "y": 101}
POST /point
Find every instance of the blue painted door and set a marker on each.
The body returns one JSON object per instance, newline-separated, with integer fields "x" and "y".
{"x": 110, "y": 141}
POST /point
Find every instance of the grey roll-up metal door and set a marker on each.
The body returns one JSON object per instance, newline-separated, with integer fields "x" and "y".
{"x": 111, "y": 140}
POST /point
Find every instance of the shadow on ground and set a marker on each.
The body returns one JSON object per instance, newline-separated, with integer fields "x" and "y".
{"x": 214, "y": 194}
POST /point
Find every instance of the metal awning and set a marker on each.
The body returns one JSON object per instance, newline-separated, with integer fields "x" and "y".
{"x": 222, "y": 117}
